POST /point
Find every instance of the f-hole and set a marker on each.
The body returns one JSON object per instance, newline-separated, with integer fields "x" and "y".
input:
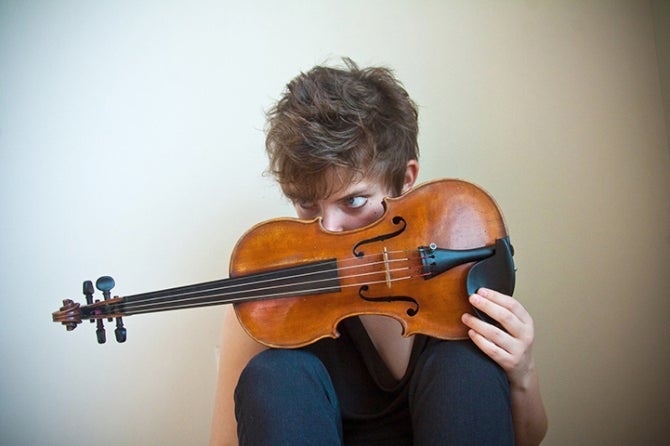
{"x": 397, "y": 220}
{"x": 410, "y": 311}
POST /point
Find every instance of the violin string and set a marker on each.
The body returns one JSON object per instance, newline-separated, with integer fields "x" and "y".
{"x": 263, "y": 289}
{"x": 212, "y": 300}
{"x": 257, "y": 293}
{"x": 231, "y": 283}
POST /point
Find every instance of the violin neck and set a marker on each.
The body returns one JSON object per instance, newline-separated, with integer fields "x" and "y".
{"x": 307, "y": 279}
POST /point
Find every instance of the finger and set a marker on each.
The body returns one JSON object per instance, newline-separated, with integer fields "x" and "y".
{"x": 491, "y": 333}
{"x": 497, "y": 344}
{"x": 505, "y": 301}
{"x": 501, "y": 314}
{"x": 520, "y": 330}
{"x": 494, "y": 351}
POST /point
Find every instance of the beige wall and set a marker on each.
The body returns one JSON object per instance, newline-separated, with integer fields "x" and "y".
{"x": 131, "y": 145}
{"x": 661, "y": 19}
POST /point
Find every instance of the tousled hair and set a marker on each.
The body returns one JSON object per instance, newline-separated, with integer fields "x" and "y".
{"x": 347, "y": 121}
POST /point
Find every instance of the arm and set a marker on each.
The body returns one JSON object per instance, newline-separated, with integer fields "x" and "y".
{"x": 512, "y": 350}
{"x": 237, "y": 348}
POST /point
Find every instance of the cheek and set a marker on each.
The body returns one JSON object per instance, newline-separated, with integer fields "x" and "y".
{"x": 373, "y": 212}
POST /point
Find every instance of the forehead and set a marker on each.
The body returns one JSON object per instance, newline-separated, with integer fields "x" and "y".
{"x": 334, "y": 184}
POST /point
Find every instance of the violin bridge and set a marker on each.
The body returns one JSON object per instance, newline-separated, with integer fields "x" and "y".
{"x": 387, "y": 270}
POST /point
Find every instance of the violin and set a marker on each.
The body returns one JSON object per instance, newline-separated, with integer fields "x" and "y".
{"x": 291, "y": 281}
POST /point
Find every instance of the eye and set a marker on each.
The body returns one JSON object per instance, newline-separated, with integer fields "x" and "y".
{"x": 356, "y": 202}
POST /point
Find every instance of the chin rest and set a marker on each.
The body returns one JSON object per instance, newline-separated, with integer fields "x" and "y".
{"x": 496, "y": 272}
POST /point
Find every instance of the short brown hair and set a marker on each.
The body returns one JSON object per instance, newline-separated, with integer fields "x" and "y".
{"x": 355, "y": 121}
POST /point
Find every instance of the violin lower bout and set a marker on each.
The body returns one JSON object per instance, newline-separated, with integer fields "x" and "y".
{"x": 432, "y": 307}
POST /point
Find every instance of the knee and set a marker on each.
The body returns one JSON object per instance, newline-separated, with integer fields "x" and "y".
{"x": 279, "y": 372}
{"x": 275, "y": 366}
{"x": 470, "y": 392}
{"x": 460, "y": 357}
{"x": 283, "y": 395}
{"x": 461, "y": 365}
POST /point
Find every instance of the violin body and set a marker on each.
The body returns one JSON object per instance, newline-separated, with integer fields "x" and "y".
{"x": 450, "y": 214}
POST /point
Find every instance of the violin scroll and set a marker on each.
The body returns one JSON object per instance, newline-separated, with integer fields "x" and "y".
{"x": 72, "y": 313}
{"x": 68, "y": 315}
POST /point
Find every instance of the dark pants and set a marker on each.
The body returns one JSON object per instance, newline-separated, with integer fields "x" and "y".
{"x": 456, "y": 396}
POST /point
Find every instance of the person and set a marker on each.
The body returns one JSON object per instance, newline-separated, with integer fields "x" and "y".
{"x": 339, "y": 141}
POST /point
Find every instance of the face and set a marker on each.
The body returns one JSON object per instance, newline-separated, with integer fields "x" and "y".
{"x": 353, "y": 205}
{"x": 350, "y": 207}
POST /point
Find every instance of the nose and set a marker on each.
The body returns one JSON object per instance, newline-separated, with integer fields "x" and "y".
{"x": 333, "y": 219}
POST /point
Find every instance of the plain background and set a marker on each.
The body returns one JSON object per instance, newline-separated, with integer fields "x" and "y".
{"x": 131, "y": 144}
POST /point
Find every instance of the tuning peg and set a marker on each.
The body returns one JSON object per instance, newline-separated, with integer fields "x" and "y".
{"x": 120, "y": 331}
{"x": 88, "y": 291}
{"x": 100, "y": 332}
{"x": 105, "y": 284}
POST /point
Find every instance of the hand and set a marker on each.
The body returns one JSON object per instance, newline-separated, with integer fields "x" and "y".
{"x": 510, "y": 348}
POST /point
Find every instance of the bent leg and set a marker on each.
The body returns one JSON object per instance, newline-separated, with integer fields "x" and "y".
{"x": 460, "y": 396}
{"x": 286, "y": 397}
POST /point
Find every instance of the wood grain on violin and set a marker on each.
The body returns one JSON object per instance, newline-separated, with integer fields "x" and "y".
{"x": 291, "y": 281}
